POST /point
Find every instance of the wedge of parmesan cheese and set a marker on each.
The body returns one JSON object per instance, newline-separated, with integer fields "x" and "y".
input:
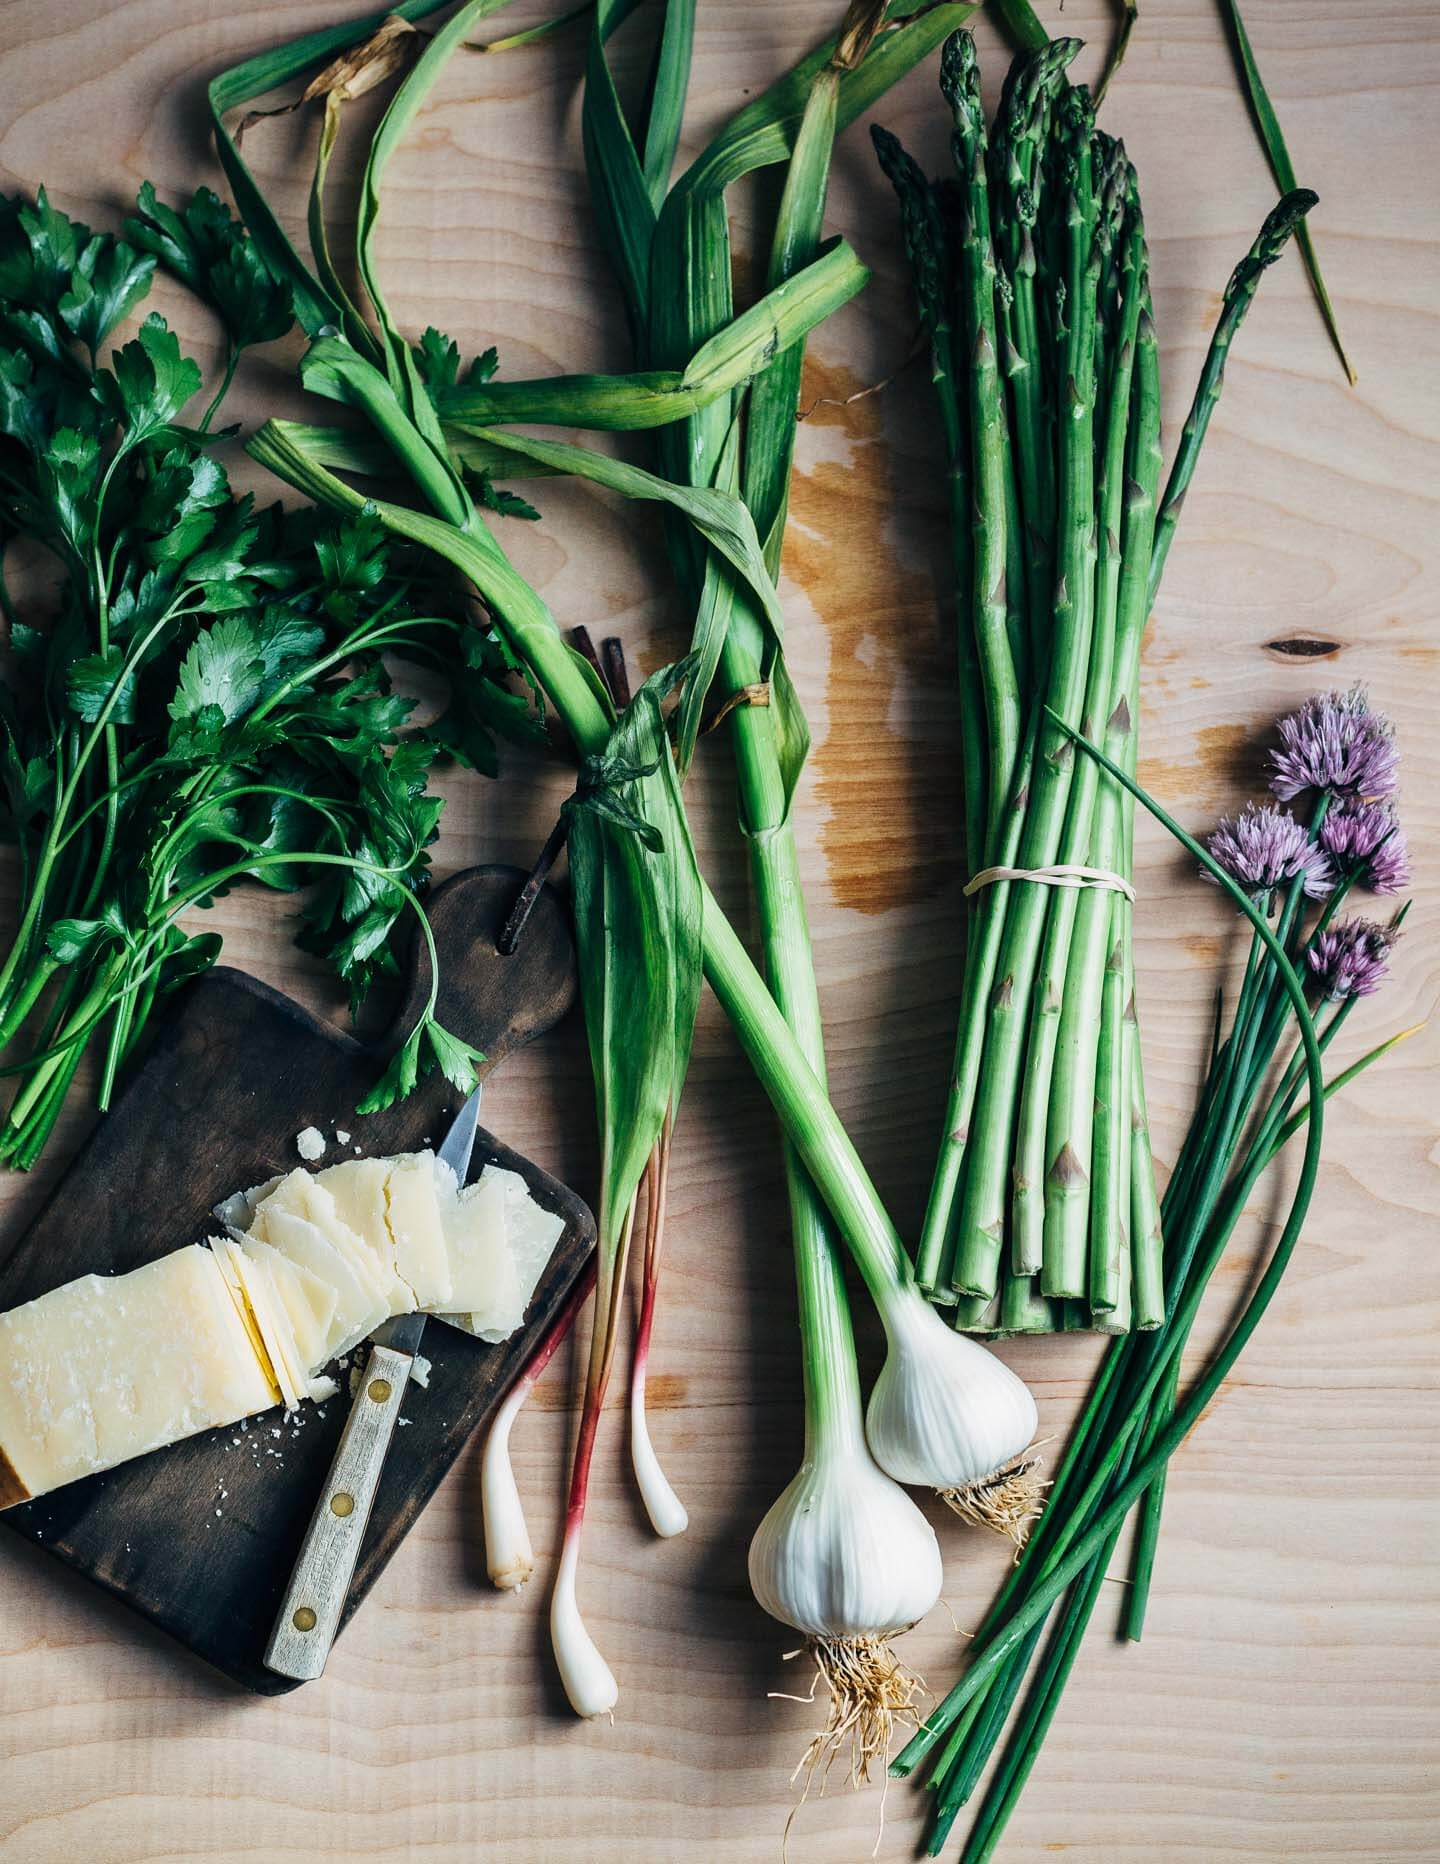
{"x": 163, "y": 1353}
{"x": 107, "y": 1368}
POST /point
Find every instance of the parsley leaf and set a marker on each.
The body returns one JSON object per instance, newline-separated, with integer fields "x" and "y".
{"x": 150, "y": 381}
{"x": 253, "y": 722}
{"x": 109, "y": 279}
{"x": 90, "y": 681}
{"x": 210, "y": 251}
{"x": 427, "y": 1044}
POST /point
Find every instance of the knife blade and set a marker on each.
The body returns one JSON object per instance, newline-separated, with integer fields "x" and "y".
{"x": 309, "y": 1614}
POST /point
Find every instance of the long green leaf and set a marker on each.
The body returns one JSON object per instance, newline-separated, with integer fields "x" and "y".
{"x": 638, "y": 923}
{"x": 332, "y": 368}
{"x": 733, "y": 356}
{"x": 532, "y": 35}
{"x": 350, "y": 449}
{"x": 627, "y": 214}
{"x": 764, "y": 131}
{"x": 690, "y": 287}
{"x": 772, "y": 416}
{"x": 666, "y": 103}
{"x": 242, "y": 84}
{"x": 1283, "y": 169}
{"x": 400, "y": 114}
{"x": 1021, "y": 24}
{"x": 356, "y": 329}
{"x": 713, "y": 611}
{"x": 718, "y": 516}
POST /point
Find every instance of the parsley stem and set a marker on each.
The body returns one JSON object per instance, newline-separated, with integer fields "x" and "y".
{"x": 367, "y": 639}
{"x": 25, "y": 1000}
{"x": 223, "y": 390}
{"x": 98, "y": 1001}
{"x": 100, "y": 726}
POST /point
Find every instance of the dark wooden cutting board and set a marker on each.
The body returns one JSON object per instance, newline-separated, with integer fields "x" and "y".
{"x": 200, "y": 1538}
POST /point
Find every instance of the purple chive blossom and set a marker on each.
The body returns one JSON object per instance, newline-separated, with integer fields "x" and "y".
{"x": 1350, "y": 958}
{"x": 1335, "y": 743}
{"x": 1263, "y": 847}
{"x": 1364, "y": 836}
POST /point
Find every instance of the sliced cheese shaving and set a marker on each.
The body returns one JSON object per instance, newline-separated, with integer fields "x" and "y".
{"x": 413, "y": 1200}
{"x": 530, "y": 1238}
{"x": 483, "y": 1276}
{"x": 356, "y": 1191}
{"x": 359, "y": 1304}
{"x": 369, "y": 1254}
{"x": 308, "y": 1302}
{"x": 221, "y": 1248}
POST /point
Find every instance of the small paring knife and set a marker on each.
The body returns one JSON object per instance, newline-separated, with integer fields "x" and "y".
{"x": 309, "y": 1614}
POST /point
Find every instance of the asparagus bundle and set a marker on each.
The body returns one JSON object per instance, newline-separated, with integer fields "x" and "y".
{"x": 1031, "y": 274}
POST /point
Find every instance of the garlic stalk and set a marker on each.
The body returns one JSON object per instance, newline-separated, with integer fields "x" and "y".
{"x": 947, "y": 1414}
{"x": 920, "y": 1434}
{"x": 843, "y": 1555}
{"x": 509, "y": 1556}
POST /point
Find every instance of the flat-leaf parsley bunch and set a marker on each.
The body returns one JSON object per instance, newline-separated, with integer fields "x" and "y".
{"x": 196, "y": 692}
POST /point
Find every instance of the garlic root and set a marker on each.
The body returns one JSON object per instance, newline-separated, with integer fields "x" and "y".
{"x": 871, "y": 1694}
{"x": 1006, "y": 1502}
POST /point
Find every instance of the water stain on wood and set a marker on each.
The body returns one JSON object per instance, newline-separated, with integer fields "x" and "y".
{"x": 666, "y": 1391}
{"x": 890, "y": 786}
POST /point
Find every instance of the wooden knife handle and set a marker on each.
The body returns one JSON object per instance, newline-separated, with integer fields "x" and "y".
{"x": 309, "y": 1614}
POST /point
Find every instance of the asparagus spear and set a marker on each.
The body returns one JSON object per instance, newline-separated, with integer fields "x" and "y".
{"x": 1025, "y": 110}
{"x": 1284, "y": 219}
{"x": 1121, "y": 744}
{"x": 960, "y": 82}
{"x": 1042, "y": 1173}
{"x": 1076, "y": 983}
{"x": 1023, "y": 121}
{"x": 926, "y": 250}
{"x": 981, "y": 1225}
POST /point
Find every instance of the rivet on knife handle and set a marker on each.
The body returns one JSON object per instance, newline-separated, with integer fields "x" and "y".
{"x": 310, "y": 1611}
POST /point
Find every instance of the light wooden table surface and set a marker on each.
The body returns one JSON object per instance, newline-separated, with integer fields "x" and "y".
{"x": 1283, "y": 1704}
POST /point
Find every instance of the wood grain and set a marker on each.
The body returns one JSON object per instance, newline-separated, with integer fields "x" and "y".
{"x": 1283, "y": 1704}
